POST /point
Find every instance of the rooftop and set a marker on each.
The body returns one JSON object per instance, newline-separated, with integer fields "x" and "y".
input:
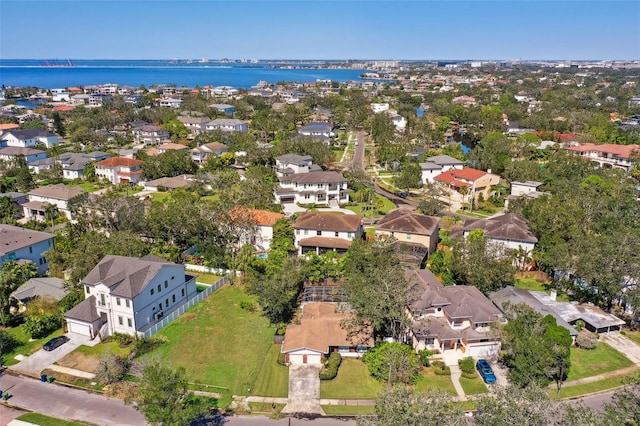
{"x": 57, "y": 192}
{"x": 328, "y": 222}
{"x": 13, "y": 238}
{"x": 405, "y": 220}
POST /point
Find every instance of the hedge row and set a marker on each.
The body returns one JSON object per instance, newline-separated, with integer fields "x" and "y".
{"x": 330, "y": 369}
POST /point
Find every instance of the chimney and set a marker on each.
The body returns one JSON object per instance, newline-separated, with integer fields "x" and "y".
{"x": 553, "y": 294}
{"x": 489, "y": 171}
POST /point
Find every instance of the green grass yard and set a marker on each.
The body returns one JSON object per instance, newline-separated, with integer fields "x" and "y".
{"x": 27, "y": 347}
{"x": 273, "y": 378}
{"x": 42, "y": 420}
{"x": 587, "y": 388}
{"x": 602, "y": 359}
{"x": 535, "y": 285}
{"x": 206, "y": 278}
{"x": 349, "y": 410}
{"x": 633, "y": 335}
{"x": 386, "y": 206}
{"x": 430, "y": 380}
{"x": 218, "y": 343}
{"x": 473, "y": 386}
{"x": 352, "y": 382}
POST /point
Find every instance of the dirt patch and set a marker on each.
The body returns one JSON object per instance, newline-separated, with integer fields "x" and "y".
{"x": 80, "y": 361}
{"x": 188, "y": 317}
{"x": 536, "y": 275}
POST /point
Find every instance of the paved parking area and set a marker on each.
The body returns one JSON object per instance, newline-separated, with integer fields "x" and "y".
{"x": 35, "y": 363}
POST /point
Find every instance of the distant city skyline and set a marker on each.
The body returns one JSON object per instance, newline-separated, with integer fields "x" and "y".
{"x": 339, "y": 30}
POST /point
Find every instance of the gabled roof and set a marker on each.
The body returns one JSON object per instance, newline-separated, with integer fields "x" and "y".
{"x": 58, "y": 191}
{"x": 294, "y": 158}
{"x": 314, "y": 177}
{"x": 84, "y": 311}
{"x": 19, "y": 150}
{"x": 42, "y": 286}
{"x": 29, "y": 133}
{"x": 255, "y": 216}
{"x": 468, "y": 174}
{"x": 316, "y": 127}
{"x": 325, "y": 242}
{"x": 125, "y": 276}
{"x": 118, "y": 162}
{"x": 445, "y": 160}
{"x": 328, "y": 222}
{"x": 622, "y": 151}
{"x": 320, "y": 328}
{"x": 405, "y": 220}
{"x": 226, "y": 122}
{"x": 508, "y": 226}
{"x": 13, "y": 238}
{"x": 212, "y": 147}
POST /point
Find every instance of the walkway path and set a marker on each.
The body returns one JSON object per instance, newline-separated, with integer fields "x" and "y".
{"x": 456, "y": 373}
{"x": 71, "y": 371}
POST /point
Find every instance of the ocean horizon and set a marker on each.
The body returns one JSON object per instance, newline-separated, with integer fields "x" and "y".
{"x": 60, "y": 73}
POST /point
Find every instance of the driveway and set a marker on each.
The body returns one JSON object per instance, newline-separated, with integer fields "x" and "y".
{"x": 35, "y": 363}
{"x": 622, "y": 344}
{"x": 304, "y": 390}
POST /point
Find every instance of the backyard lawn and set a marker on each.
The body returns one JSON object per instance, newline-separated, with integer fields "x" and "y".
{"x": 385, "y": 203}
{"x": 219, "y": 344}
{"x": 430, "y": 380}
{"x": 273, "y": 378}
{"x": 27, "y": 347}
{"x": 352, "y": 382}
{"x": 206, "y": 278}
{"x": 535, "y": 285}
{"x": 602, "y": 359}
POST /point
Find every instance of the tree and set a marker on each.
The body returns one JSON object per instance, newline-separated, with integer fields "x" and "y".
{"x": 7, "y": 344}
{"x": 410, "y": 176}
{"x": 398, "y": 405}
{"x": 58, "y": 124}
{"x": 493, "y": 152}
{"x": 431, "y": 206}
{"x": 392, "y": 362}
{"x": 164, "y": 399}
{"x": 8, "y": 210}
{"x": 624, "y": 409}
{"x": 376, "y": 287}
{"x": 517, "y": 406}
{"x": 51, "y": 213}
{"x": 111, "y": 368}
{"x": 170, "y": 163}
{"x": 24, "y": 180}
{"x": 12, "y": 276}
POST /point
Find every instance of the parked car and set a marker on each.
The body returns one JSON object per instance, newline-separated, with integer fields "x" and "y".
{"x": 55, "y": 342}
{"x": 486, "y": 371}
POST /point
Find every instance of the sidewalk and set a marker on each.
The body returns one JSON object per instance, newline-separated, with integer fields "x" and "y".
{"x": 71, "y": 371}
{"x": 456, "y": 373}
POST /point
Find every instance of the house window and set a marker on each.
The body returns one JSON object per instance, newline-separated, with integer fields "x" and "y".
{"x": 120, "y": 320}
{"x": 118, "y": 301}
{"x": 173, "y": 299}
{"x": 152, "y": 292}
{"x": 457, "y": 322}
{"x": 306, "y": 232}
{"x": 297, "y": 232}
{"x": 429, "y": 341}
{"x": 166, "y": 303}
{"x": 159, "y": 288}
{"x": 30, "y": 250}
{"x": 129, "y": 323}
{"x": 166, "y": 284}
{"x": 318, "y": 233}
{"x": 408, "y": 236}
{"x": 182, "y": 292}
{"x": 87, "y": 289}
{"x": 350, "y": 235}
{"x": 126, "y": 303}
{"x": 102, "y": 300}
{"x": 306, "y": 196}
{"x": 160, "y": 306}
{"x": 172, "y": 278}
{"x": 337, "y": 233}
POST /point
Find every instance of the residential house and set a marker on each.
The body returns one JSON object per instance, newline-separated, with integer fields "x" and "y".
{"x": 326, "y": 130}
{"x": 256, "y": 226}
{"x": 169, "y": 183}
{"x": 81, "y": 99}
{"x": 119, "y": 169}
{"x": 28, "y": 138}
{"x": 20, "y": 244}
{"x": 379, "y": 107}
{"x": 224, "y": 91}
{"x": 58, "y": 195}
{"x": 313, "y": 188}
{"x": 129, "y": 295}
{"x": 166, "y": 147}
{"x": 510, "y": 231}
{"x": 150, "y": 134}
{"x": 99, "y": 99}
{"x": 170, "y": 102}
{"x": 320, "y": 332}
{"x": 454, "y": 321}
{"x": 224, "y": 108}
{"x": 607, "y": 155}
{"x": 476, "y": 181}
{"x": 437, "y": 165}
{"x": 11, "y": 154}
{"x": 72, "y": 163}
{"x": 228, "y": 125}
{"x": 293, "y": 164}
{"x": 17, "y": 199}
{"x": 416, "y": 234}
{"x": 49, "y": 287}
{"x": 322, "y": 232}
{"x": 528, "y": 189}
{"x": 196, "y": 125}
{"x": 200, "y": 153}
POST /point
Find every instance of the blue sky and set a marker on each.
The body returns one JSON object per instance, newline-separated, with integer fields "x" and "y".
{"x": 163, "y": 29}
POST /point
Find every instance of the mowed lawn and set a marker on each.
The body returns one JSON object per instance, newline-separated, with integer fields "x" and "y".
{"x": 218, "y": 343}
{"x": 273, "y": 378}
{"x": 352, "y": 382}
{"x": 602, "y": 359}
{"x": 429, "y": 380}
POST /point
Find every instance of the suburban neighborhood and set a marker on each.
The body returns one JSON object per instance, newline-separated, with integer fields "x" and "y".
{"x": 450, "y": 231}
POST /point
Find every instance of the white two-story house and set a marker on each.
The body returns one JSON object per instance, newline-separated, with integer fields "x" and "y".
{"x": 129, "y": 295}
{"x": 58, "y": 195}
{"x": 150, "y": 134}
{"x": 292, "y": 163}
{"x": 119, "y": 169}
{"x": 322, "y": 232}
{"x": 20, "y": 244}
{"x": 227, "y": 125}
{"x": 28, "y": 138}
{"x": 607, "y": 155}
{"x": 313, "y": 188}
{"x": 434, "y": 166}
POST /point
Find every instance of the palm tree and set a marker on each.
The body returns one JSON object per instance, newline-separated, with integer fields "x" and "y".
{"x": 51, "y": 212}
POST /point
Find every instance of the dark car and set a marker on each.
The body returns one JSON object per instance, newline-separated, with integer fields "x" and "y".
{"x": 485, "y": 371}
{"x": 55, "y": 342}
{"x": 403, "y": 194}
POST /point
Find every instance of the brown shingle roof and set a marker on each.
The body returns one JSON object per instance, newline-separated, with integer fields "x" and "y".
{"x": 328, "y": 222}
{"x": 58, "y": 191}
{"x": 325, "y": 242}
{"x": 13, "y": 238}
{"x": 118, "y": 161}
{"x": 508, "y": 226}
{"x": 404, "y": 220}
{"x": 319, "y": 328}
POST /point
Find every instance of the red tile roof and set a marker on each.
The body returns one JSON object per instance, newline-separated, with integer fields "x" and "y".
{"x": 259, "y": 217}
{"x": 119, "y": 161}
{"x": 623, "y": 151}
{"x": 468, "y": 173}
{"x": 448, "y": 178}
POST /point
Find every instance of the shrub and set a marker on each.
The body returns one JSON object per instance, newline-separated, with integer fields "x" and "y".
{"x": 424, "y": 355}
{"x": 7, "y": 343}
{"x": 586, "y": 340}
{"x": 247, "y": 306}
{"x": 282, "y": 358}
{"x": 112, "y": 368}
{"x": 393, "y": 362}
{"x": 40, "y": 326}
{"x": 145, "y": 345}
{"x": 281, "y": 328}
{"x": 579, "y": 325}
{"x": 330, "y": 369}
{"x": 440, "y": 369}
{"x": 122, "y": 339}
{"x": 467, "y": 365}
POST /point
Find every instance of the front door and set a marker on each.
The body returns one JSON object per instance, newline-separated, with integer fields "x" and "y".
{"x": 304, "y": 359}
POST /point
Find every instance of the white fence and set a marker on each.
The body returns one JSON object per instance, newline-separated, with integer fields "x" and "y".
{"x": 184, "y": 307}
{"x": 206, "y": 269}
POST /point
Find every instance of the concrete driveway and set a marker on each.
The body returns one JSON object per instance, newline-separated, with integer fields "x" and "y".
{"x": 304, "y": 390}
{"x": 35, "y": 363}
{"x": 622, "y": 344}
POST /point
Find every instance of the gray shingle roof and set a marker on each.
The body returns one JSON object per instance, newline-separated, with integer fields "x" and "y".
{"x": 84, "y": 311}
{"x": 58, "y": 191}
{"x": 125, "y": 276}
{"x": 53, "y": 287}
{"x": 13, "y": 238}
{"x": 506, "y": 227}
